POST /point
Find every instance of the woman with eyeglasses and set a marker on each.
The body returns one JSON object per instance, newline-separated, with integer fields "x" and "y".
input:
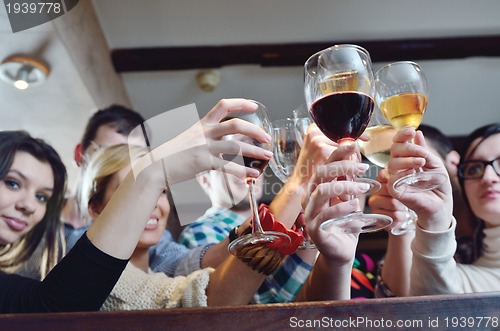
{"x": 434, "y": 271}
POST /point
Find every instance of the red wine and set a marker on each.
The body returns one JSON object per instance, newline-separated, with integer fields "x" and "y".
{"x": 254, "y": 163}
{"x": 343, "y": 115}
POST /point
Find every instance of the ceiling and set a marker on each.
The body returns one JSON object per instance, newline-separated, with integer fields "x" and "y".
{"x": 79, "y": 44}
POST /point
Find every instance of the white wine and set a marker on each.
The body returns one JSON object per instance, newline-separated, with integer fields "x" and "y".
{"x": 404, "y": 109}
{"x": 377, "y": 149}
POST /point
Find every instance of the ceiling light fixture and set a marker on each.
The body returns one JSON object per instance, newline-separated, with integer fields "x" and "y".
{"x": 208, "y": 80}
{"x": 23, "y": 71}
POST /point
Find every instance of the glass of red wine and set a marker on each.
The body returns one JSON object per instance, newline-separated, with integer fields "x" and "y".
{"x": 339, "y": 91}
{"x": 258, "y": 236}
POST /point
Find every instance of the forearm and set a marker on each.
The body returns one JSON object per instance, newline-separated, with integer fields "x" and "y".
{"x": 216, "y": 254}
{"x": 328, "y": 281}
{"x": 286, "y": 205}
{"x": 397, "y": 264}
{"x": 233, "y": 283}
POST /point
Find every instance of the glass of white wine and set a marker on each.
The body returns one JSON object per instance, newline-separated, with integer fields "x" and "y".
{"x": 402, "y": 95}
{"x": 377, "y": 151}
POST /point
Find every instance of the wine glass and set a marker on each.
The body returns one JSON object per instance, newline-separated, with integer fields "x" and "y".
{"x": 402, "y": 94}
{"x": 286, "y": 154}
{"x": 286, "y": 148}
{"x": 339, "y": 90}
{"x": 258, "y": 236}
{"x": 302, "y": 120}
{"x": 377, "y": 151}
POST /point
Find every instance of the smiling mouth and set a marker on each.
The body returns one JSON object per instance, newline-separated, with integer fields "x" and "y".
{"x": 152, "y": 224}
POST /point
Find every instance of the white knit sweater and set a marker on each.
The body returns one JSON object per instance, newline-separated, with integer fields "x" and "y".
{"x": 434, "y": 271}
{"x": 137, "y": 289}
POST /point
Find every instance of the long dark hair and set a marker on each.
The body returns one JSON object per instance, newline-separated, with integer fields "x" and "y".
{"x": 49, "y": 228}
{"x": 483, "y": 133}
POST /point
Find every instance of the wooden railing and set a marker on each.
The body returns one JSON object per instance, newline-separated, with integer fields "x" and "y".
{"x": 445, "y": 312}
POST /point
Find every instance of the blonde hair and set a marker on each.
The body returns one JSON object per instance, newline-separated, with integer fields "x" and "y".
{"x": 98, "y": 172}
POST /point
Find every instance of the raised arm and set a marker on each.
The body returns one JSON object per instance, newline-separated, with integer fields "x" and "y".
{"x": 192, "y": 152}
{"x": 101, "y": 255}
{"x": 331, "y": 275}
{"x": 433, "y": 268}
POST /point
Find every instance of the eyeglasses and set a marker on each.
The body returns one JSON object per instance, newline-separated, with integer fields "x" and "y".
{"x": 476, "y": 169}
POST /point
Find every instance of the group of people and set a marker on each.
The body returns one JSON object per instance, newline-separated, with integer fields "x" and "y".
{"x": 106, "y": 247}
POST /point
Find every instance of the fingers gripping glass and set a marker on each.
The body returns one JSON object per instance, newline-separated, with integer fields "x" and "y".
{"x": 377, "y": 151}
{"x": 258, "y": 236}
{"x": 475, "y": 169}
{"x": 402, "y": 94}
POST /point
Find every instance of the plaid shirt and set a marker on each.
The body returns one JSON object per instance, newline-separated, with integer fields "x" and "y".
{"x": 213, "y": 227}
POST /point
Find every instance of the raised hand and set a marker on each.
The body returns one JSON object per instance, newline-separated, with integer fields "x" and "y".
{"x": 199, "y": 148}
{"x": 433, "y": 207}
{"x": 382, "y": 202}
{"x": 315, "y": 151}
{"x": 328, "y": 199}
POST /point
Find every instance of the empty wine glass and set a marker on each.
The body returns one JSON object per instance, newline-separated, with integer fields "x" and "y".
{"x": 402, "y": 94}
{"x": 286, "y": 148}
{"x": 377, "y": 151}
{"x": 339, "y": 91}
{"x": 286, "y": 154}
{"x": 302, "y": 120}
{"x": 258, "y": 236}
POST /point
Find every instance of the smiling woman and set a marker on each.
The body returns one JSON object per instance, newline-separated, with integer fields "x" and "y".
{"x": 31, "y": 197}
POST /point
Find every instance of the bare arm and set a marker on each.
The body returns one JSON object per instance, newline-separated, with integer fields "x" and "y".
{"x": 233, "y": 283}
{"x": 193, "y": 151}
{"x": 331, "y": 276}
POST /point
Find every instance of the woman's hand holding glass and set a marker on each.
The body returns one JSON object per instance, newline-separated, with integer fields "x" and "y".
{"x": 328, "y": 199}
{"x": 377, "y": 150}
{"x": 434, "y": 206}
{"x": 402, "y": 95}
{"x": 382, "y": 202}
{"x": 316, "y": 149}
{"x": 199, "y": 148}
{"x": 241, "y": 246}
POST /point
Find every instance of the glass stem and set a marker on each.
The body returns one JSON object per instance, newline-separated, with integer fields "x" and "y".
{"x": 352, "y": 157}
{"x": 418, "y": 169}
{"x": 256, "y": 226}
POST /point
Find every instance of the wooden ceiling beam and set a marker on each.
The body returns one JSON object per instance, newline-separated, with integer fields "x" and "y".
{"x": 295, "y": 54}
